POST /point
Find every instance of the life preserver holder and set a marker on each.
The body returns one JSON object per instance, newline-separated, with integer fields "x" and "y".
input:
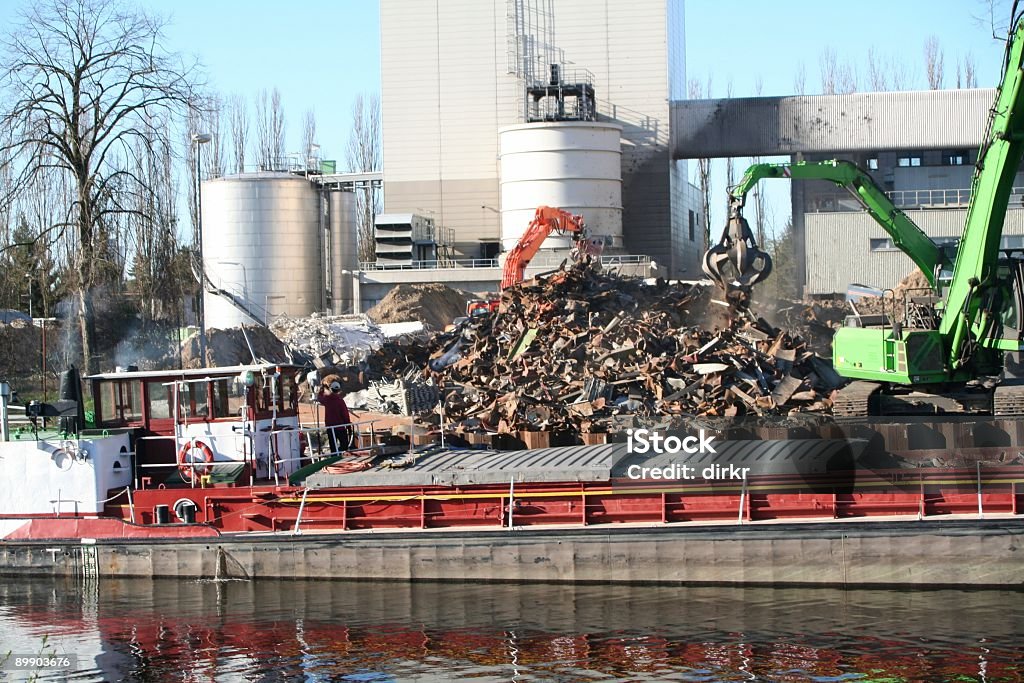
{"x": 189, "y": 466}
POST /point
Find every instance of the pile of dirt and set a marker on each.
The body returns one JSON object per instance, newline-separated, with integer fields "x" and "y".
{"x": 915, "y": 284}
{"x": 433, "y": 304}
{"x": 229, "y": 347}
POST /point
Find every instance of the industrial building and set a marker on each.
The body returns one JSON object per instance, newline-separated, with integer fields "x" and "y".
{"x": 260, "y": 225}
{"x": 919, "y": 147}
{"x": 493, "y": 107}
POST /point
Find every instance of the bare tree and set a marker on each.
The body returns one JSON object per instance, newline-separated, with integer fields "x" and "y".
{"x": 277, "y": 123}
{"x": 970, "y": 73}
{"x": 900, "y": 74}
{"x": 215, "y": 160}
{"x": 828, "y": 63}
{"x": 877, "y": 80}
{"x": 995, "y": 16}
{"x": 933, "y": 62}
{"x": 269, "y": 129}
{"x": 846, "y": 78}
{"x": 364, "y": 154}
{"x": 154, "y": 235}
{"x": 800, "y": 79}
{"x": 239, "y": 118}
{"x": 263, "y": 146}
{"x": 309, "y": 136}
{"x": 695, "y": 91}
{"x": 84, "y": 81}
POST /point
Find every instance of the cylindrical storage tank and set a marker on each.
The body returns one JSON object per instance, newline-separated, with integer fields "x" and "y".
{"x": 262, "y": 248}
{"x": 344, "y": 236}
{"x": 571, "y": 165}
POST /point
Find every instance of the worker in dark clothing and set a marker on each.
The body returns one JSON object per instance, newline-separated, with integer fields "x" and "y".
{"x": 336, "y": 416}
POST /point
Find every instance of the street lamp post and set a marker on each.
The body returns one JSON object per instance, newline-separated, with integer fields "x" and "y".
{"x": 200, "y": 139}
{"x": 28, "y": 276}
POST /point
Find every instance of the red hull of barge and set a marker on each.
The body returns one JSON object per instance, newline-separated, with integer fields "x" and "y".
{"x": 864, "y": 495}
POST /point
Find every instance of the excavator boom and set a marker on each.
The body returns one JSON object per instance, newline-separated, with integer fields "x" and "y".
{"x": 737, "y": 249}
{"x": 546, "y": 220}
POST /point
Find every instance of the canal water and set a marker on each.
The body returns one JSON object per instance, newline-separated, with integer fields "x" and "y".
{"x": 174, "y": 630}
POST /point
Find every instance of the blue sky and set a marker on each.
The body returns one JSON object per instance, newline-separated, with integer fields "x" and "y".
{"x": 321, "y": 55}
{"x": 742, "y": 40}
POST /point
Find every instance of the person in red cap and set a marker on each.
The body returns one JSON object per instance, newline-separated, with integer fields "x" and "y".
{"x": 336, "y": 416}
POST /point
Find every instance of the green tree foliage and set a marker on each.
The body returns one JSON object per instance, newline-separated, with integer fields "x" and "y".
{"x": 26, "y": 264}
{"x": 783, "y": 282}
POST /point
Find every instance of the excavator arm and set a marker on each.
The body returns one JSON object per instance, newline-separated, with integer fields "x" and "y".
{"x": 966, "y": 321}
{"x": 737, "y": 250}
{"x": 546, "y": 220}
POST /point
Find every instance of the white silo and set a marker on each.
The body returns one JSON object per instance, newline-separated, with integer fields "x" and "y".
{"x": 571, "y": 165}
{"x": 262, "y": 248}
{"x": 344, "y": 251}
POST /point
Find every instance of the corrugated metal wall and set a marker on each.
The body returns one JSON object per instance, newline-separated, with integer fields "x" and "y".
{"x": 443, "y": 97}
{"x": 827, "y": 123}
{"x": 839, "y": 247}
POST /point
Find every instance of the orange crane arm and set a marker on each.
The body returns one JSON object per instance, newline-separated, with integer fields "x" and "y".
{"x": 545, "y": 220}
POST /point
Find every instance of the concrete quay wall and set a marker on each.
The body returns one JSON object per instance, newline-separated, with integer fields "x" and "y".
{"x": 917, "y": 553}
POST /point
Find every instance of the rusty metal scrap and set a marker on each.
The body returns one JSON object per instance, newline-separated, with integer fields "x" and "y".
{"x": 572, "y": 351}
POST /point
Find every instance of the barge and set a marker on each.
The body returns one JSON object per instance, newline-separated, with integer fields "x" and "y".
{"x": 210, "y": 474}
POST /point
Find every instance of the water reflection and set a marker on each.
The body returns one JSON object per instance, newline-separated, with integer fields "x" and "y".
{"x": 155, "y": 630}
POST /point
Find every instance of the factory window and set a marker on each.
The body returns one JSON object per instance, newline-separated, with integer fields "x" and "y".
{"x": 886, "y": 244}
{"x": 909, "y": 161}
{"x": 693, "y": 225}
{"x": 954, "y": 158}
{"x": 873, "y": 164}
{"x": 489, "y": 250}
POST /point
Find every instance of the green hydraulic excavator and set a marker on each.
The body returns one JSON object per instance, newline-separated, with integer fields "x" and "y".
{"x": 950, "y": 361}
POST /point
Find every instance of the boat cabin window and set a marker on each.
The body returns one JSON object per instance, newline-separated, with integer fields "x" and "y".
{"x": 119, "y": 402}
{"x": 159, "y": 405}
{"x": 194, "y": 400}
{"x": 228, "y": 397}
{"x": 289, "y": 392}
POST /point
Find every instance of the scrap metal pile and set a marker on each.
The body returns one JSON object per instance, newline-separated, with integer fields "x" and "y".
{"x": 579, "y": 349}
